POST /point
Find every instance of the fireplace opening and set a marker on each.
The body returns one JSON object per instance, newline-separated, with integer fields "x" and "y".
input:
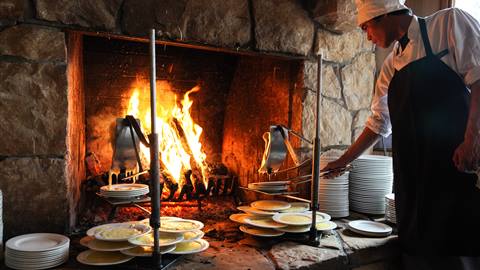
{"x": 215, "y": 104}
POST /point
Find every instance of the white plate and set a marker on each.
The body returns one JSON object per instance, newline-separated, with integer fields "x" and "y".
{"x": 92, "y": 231}
{"x": 270, "y": 205}
{"x": 180, "y": 226}
{"x": 297, "y": 207}
{"x": 37, "y": 262}
{"x": 321, "y": 217}
{"x": 191, "y": 247}
{"x": 142, "y": 251}
{"x": 85, "y": 240}
{"x": 268, "y": 188}
{"x": 122, "y": 233}
{"x": 254, "y": 211}
{"x": 192, "y": 236}
{"x": 166, "y": 239}
{"x": 264, "y": 222}
{"x": 240, "y": 218}
{"x": 123, "y": 187}
{"x": 326, "y": 226}
{"x": 260, "y": 231}
{"x": 295, "y": 229}
{"x": 272, "y": 183}
{"x": 370, "y": 228}
{"x": 23, "y": 266}
{"x": 37, "y": 254}
{"x": 295, "y": 219}
{"x": 37, "y": 242}
{"x": 100, "y": 245}
{"x": 92, "y": 257}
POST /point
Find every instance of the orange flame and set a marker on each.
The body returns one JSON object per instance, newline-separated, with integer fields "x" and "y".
{"x": 175, "y": 156}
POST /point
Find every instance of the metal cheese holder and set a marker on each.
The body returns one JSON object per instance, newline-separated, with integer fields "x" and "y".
{"x": 313, "y": 237}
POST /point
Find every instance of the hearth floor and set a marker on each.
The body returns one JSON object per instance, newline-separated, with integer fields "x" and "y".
{"x": 231, "y": 249}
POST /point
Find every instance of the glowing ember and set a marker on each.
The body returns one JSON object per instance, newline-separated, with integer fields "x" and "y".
{"x": 179, "y": 135}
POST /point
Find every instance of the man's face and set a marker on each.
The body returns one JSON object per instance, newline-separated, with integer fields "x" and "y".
{"x": 378, "y": 31}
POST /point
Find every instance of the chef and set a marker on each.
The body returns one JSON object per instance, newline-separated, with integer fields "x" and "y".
{"x": 428, "y": 96}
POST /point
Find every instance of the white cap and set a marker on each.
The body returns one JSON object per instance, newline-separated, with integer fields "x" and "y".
{"x": 369, "y": 9}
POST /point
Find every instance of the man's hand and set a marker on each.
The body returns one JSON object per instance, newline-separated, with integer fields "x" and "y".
{"x": 334, "y": 168}
{"x": 467, "y": 155}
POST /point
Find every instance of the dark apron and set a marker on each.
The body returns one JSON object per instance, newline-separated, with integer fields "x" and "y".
{"x": 437, "y": 207}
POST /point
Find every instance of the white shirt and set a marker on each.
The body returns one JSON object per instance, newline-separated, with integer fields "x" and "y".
{"x": 452, "y": 29}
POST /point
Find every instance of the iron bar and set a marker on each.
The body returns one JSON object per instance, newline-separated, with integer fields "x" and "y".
{"x": 316, "y": 157}
{"x": 154, "y": 158}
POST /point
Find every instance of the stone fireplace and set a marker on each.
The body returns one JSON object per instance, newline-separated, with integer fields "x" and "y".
{"x": 67, "y": 67}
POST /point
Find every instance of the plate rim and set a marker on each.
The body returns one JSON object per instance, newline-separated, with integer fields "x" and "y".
{"x": 177, "y": 240}
{"x": 203, "y": 242}
{"x": 277, "y": 217}
{"x": 244, "y": 228}
{"x": 81, "y": 255}
{"x": 287, "y": 205}
{"x": 63, "y": 240}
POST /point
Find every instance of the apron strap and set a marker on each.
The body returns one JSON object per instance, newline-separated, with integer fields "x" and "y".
{"x": 426, "y": 42}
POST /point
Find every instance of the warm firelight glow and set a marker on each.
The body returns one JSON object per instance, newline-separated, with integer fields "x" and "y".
{"x": 179, "y": 135}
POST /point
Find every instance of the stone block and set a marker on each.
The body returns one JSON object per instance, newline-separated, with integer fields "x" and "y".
{"x": 34, "y": 109}
{"x": 335, "y": 15}
{"x": 220, "y": 257}
{"x": 164, "y": 15}
{"x": 363, "y": 250}
{"x": 358, "y": 80}
{"x": 33, "y": 43}
{"x": 341, "y": 48}
{"x": 282, "y": 26}
{"x": 289, "y": 255}
{"x": 217, "y": 22}
{"x": 360, "y": 118}
{"x": 383, "y": 265}
{"x": 336, "y": 122}
{"x": 330, "y": 85}
{"x": 96, "y": 14}
{"x": 35, "y": 195}
{"x": 11, "y": 10}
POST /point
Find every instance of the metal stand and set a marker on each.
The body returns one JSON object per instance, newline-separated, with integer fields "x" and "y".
{"x": 154, "y": 159}
{"x": 314, "y": 237}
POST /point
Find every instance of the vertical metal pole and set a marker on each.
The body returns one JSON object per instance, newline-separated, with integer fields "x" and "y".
{"x": 316, "y": 157}
{"x": 154, "y": 158}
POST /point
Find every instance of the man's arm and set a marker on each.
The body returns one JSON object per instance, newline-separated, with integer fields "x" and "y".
{"x": 467, "y": 155}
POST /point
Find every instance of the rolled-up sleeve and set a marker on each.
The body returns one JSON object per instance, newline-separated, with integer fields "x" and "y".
{"x": 379, "y": 120}
{"x": 464, "y": 39}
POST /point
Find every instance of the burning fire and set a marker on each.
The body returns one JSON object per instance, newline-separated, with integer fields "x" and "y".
{"x": 179, "y": 135}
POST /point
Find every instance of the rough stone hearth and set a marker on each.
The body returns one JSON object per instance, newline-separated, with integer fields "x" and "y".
{"x": 341, "y": 249}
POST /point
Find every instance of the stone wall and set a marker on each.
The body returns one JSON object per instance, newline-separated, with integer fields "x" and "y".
{"x": 35, "y": 84}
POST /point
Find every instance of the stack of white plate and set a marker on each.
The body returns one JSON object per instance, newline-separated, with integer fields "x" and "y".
{"x": 390, "y": 214}
{"x": 36, "y": 251}
{"x": 270, "y": 218}
{"x": 333, "y": 193}
{"x": 370, "y": 180}
{"x": 124, "y": 190}
{"x": 270, "y": 187}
